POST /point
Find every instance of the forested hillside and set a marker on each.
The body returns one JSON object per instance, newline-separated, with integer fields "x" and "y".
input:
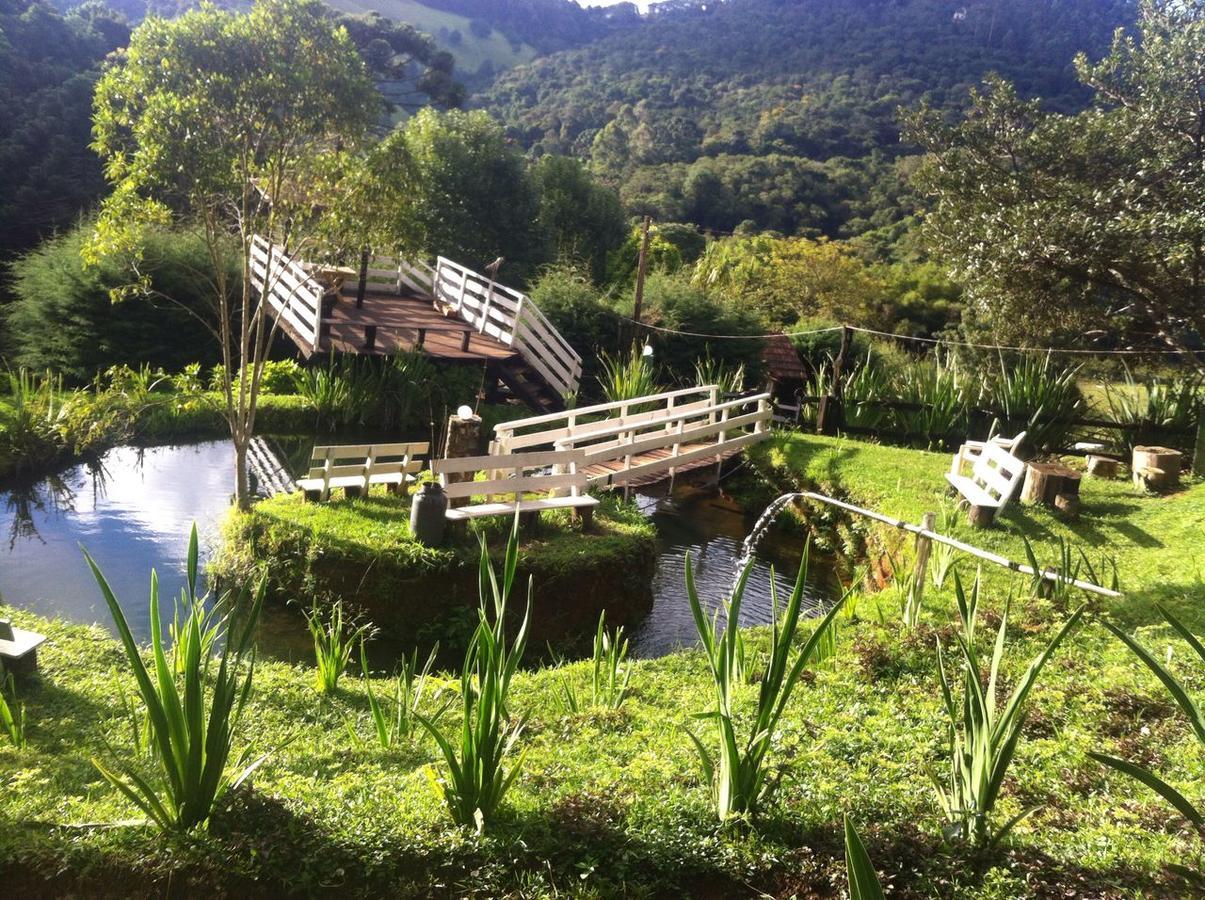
{"x": 784, "y": 112}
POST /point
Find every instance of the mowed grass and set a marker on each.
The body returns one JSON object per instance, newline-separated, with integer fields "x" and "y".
{"x": 470, "y": 53}
{"x": 611, "y": 803}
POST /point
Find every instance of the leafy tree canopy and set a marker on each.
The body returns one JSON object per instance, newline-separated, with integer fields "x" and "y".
{"x": 1083, "y": 224}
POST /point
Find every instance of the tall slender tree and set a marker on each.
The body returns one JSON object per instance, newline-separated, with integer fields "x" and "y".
{"x": 242, "y": 124}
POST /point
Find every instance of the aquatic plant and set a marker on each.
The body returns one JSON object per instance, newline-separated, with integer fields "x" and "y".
{"x": 396, "y": 721}
{"x": 476, "y": 776}
{"x": 334, "y": 640}
{"x": 981, "y": 734}
{"x": 738, "y": 772}
{"x": 1194, "y": 815}
{"x": 863, "y": 880}
{"x": 194, "y": 718}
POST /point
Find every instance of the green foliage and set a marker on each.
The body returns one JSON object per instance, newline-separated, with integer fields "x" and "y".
{"x": 63, "y": 316}
{"x": 610, "y": 673}
{"x": 663, "y": 256}
{"x": 12, "y": 711}
{"x": 1036, "y": 395}
{"x": 629, "y": 376}
{"x": 1165, "y": 410}
{"x": 582, "y": 220}
{"x": 404, "y": 391}
{"x": 730, "y": 379}
{"x": 477, "y": 778}
{"x": 195, "y": 712}
{"x": 863, "y": 881}
{"x": 334, "y": 640}
{"x": 738, "y": 772}
{"x": 982, "y": 737}
{"x": 396, "y": 721}
{"x": 1096, "y": 217}
{"x": 578, "y": 310}
{"x": 1179, "y": 693}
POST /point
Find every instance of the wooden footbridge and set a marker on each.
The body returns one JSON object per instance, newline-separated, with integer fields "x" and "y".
{"x": 444, "y": 310}
{"x": 633, "y": 443}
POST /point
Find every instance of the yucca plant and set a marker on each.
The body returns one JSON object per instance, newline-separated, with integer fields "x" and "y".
{"x": 1196, "y": 720}
{"x": 627, "y": 377}
{"x": 396, "y": 721}
{"x": 12, "y": 711}
{"x": 1073, "y": 565}
{"x": 728, "y": 378}
{"x": 982, "y": 735}
{"x": 941, "y": 394}
{"x": 865, "y": 387}
{"x": 334, "y": 641}
{"x": 863, "y": 880}
{"x": 738, "y": 772}
{"x": 194, "y": 717}
{"x": 944, "y": 557}
{"x": 1035, "y": 395}
{"x": 1158, "y": 408}
{"x": 476, "y": 776}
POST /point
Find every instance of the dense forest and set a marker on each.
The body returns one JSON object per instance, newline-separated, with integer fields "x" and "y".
{"x": 785, "y": 114}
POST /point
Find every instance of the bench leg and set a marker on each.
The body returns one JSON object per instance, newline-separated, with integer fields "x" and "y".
{"x": 585, "y": 517}
{"x": 313, "y": 496}
{"x": 529, "y": 520}
{"x": 352, "y": 491}
{"x": 981, "y": 516}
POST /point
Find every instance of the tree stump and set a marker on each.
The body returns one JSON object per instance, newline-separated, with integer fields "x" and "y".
{"x": 1156, "y": 468}
{"x": 463, "y": 439}
{"x": 1067, "y": 505}
{"x": 1044, "y": 482}
{"x": 1102, "y": 466}
{"x": 981, "y": 516}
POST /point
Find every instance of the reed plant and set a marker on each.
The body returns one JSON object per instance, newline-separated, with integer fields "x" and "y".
{"x": 909, "y": 589}
{"x": 12, "y": 711}
{"x": 1193, "y": 814}
{"x": 334, "y": 642}
{"x": 33, "y": 414}
{"x": 1073, "y": 566}
{"x": 939, "y": 399}
{"x": 863, "y": 880}
{"x": 738, "y": 771}
{"x": 480, "y": 767}
{"x": 195, "y": 716}
{"x": 1158, "y": 410}
{"x": 943, "y": 557}
{"x": 730, "y": 379}
{"x": 982, "y": 732}
{"x": 626, "y": 377}
{"x": 395, "y": 721}
{"x": 610, "y": 673}
{"x": 1036, "y": 395}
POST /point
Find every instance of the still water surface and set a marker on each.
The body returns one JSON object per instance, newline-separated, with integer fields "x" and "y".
{"x": 133, "y": 510}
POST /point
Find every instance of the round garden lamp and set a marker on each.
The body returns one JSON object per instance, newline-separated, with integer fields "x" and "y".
{"x": 427, "y": 522}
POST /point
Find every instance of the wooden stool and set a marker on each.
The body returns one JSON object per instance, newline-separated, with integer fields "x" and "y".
{"x": 1053, "y": 485}
{"x": 1156, "y": 468}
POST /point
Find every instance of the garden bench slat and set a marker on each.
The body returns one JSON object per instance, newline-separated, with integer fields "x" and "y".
{"x": 510, "y": 474}
{"x": 992, "y": 482}
{"x": 391, "y": 464}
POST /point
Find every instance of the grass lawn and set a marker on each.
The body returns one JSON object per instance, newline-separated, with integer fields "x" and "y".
{"x": 612, "y": 803}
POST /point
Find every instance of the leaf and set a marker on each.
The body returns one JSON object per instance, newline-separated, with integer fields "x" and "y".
{"x": 863, "y": 880}
{"x": 1155, "y": 783}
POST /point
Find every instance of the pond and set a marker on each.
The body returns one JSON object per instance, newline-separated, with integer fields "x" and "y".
{"x": 133, "y": 507}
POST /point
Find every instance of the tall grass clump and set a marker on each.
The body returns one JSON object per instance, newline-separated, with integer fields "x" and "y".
{"x": 1162, "y": 410}
{"x": 738, "y": 771}
{"x": 196, "y": 715}
{"x": 943, "y": 557}
{"x": 941, "y": 399}
{"x": 610, "y": 673}
{"x": 1035, "y": 395}
{"x": 982, "y": 735}
{"x": 354, "y": 391}
{"x": 33, "y": 415}
{"x": 1193, "y": 814}
{"x": 334, "y": 640}
{"x": 729, "y": 378}
{"x": 477, "y": 776}
{"x": 626, "y": 377}
{"x": 12, "y": 711}
{"x": 395, "y": 721}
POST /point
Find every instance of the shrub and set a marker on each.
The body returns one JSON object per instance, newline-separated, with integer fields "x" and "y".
{"x": 578, "y": 311}
{"x": 628, "y": 377}
{"x": 1165, "y": 410}
{"x": 195, "y": 718}
{"x": 1035, "y": 395}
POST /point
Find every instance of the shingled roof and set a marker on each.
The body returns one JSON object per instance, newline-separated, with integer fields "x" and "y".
{"x": 781, "y": 359}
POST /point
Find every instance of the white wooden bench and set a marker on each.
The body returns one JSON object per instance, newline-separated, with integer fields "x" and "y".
{"x": 991, "y": 485}
{"x": 564, "y": 487}
{"x": 355, "y": 467}
{"x": 18, "y": 649}
{"x": 971, "y": 450}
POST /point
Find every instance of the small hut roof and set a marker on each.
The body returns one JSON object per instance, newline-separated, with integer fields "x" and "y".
{"x": 781, "y": 359}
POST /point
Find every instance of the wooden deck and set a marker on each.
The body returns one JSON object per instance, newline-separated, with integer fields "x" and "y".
{"x": 388, "y": 323}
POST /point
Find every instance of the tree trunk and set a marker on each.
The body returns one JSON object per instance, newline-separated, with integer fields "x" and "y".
{"x": 1046, "y": 481}
{"x": 1156, "y": 468}
{"x": 242, "y": 491}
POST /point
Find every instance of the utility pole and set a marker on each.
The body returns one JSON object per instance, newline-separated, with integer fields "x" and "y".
{"x": 642, "y": 264}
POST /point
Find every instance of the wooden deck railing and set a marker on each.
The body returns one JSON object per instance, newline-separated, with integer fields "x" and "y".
{"x": 512, "y": 318}
{"x": 294, "y": 297}
{"x": 635, "y": 439}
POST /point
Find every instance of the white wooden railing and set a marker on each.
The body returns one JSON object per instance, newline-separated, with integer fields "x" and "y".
{"x": 512, "y": 318}
{"x": 294, "y": 297}
{"x": 648, "y": 435}
{"x": 402, "y": 275}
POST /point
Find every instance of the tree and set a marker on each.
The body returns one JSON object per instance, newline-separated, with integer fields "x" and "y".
{"x": 582, "y": 219}
{"x": 244, "y": 124}
{"x": 409, "y": 68}
{"x": 469, "y": 193}
{"x": 1088, "y": 222}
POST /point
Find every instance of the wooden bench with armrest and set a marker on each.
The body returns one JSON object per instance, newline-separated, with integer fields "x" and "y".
{"x": 356, "y": 467}
{"x": 991, "y": 485}
{"x": 512, "y": 475}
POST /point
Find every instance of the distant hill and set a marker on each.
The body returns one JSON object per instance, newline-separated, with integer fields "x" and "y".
{"x": 782, "y": 113}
